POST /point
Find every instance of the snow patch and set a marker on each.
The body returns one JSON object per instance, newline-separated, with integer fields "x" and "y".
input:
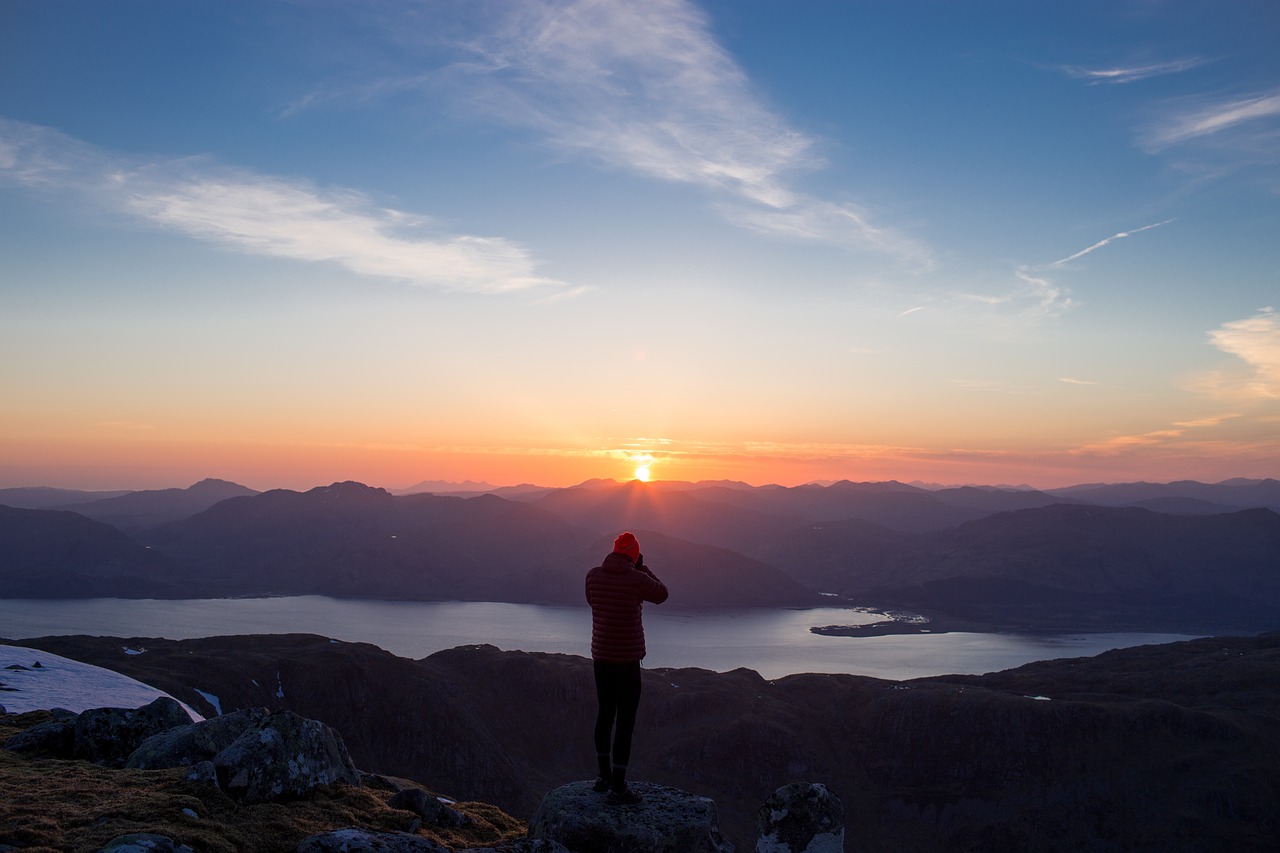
{"x": 211, "y": 699}
{"x": 45, "y": 681}
{"x": 279, "y": 686}
{"x": 129, "y": 651}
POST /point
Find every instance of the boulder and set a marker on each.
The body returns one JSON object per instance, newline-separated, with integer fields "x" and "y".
{"x": 185, "y": 746}
{"x": 107, "y": 736}
{"x": 365, "y": 841}
{"x": 802, "y": 817}
{"x": 666, "y": 819}
{"x": 203, "y": 773}
{"x": 285, "y": 755}
{"x": 144, "y": 842}
{"x": 55, "y": 737}
{"x": 524, "y": 845}
{"x": 418, "y": 801}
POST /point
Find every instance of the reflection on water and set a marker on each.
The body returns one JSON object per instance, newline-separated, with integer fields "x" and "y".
{"x": 772, "y": 642}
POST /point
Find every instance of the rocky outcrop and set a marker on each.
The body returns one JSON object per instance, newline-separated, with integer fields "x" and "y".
{"x": 55, "y": 737}
{"x": 802, "y": 817}
{"x": 363, "y": 841}
{"x": 666, "y": 820}
{"x": 254, "y": 756}
{"x": 104, "y": 736}
{"x": 285, "y": 756}
{"x": 144, "y": 842}
{"x": 525, "y": 845}
{"x": 191, "y": 744}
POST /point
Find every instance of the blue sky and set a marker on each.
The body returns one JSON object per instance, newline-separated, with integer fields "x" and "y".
{"x": 293, "y": 242}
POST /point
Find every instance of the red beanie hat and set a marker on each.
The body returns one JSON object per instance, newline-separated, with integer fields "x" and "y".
{"x": 626, "y": 544}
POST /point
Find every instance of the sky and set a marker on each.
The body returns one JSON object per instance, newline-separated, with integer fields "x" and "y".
{"x": 292, "y": 242}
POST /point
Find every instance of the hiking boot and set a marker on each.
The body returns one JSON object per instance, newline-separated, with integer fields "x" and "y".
{"x": 623, "y": 796}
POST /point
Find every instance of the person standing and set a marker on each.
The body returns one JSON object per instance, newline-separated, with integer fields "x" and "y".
{"x": 616, "y": 591}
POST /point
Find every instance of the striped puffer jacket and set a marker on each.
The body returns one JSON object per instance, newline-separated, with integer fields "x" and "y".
{"x": 615, "y": 590}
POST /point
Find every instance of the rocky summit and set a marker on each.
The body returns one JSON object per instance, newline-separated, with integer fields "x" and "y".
{"x": 280, "y": 757}
{"x": 667, "y": 819}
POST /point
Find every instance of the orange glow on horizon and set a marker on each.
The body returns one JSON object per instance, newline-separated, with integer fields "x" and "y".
{"x": 149, "y": 462}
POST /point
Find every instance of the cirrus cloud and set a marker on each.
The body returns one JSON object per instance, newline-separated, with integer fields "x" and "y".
{"x": 266, "y": 215}
{"x": 1256, "y": 341}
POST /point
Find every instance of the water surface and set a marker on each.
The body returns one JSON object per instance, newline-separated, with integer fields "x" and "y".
{"x": 773, "y": 642}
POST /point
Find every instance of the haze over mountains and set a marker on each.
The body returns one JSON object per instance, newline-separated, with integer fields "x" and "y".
{"x": 1180, "y": 555}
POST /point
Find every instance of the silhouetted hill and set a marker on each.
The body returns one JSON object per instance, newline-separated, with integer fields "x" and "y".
{"x": 1069, "y": 565}
{"x": 696, "y": 576}
{"x": 136, "y": 511}
{"x": 45, "y": 497}
{"x": 352, "y": 540}
{"x": 890, "y": 504}
{"x": 437, "y": 487}
{"x": 1227, "y": 495}
{"x": 55, "y": 554}
{"x": 679, "y": 514}
{"x": 1169, "y": 747}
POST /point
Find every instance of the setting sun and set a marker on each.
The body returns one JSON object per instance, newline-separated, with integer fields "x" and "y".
{"x": 642, "y": 473}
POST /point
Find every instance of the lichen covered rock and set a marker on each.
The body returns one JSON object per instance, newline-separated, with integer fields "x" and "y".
{"x": 144, "y": 842}
{"x": 188, "y": 745}
{"x": 364, "y": 841}
{"x": 285, "y": 755}
{"x": 802, "y": 817}
{"x": 107, "y": 736}
{"x": 666, "y": 820}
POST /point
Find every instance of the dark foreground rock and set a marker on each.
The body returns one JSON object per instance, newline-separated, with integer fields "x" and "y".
{"x": 524, "y": 845}
{"x": 666, "y": 820}
{"x": 363, "y": 841}
{"x": 255, "y": 756}
{"x": 105, "y": 736}
{"x": 285, "y": 756}
{"x": 802, "y": 817}
{"x": 144, "y": 842}
{"x": 191, "y": 744}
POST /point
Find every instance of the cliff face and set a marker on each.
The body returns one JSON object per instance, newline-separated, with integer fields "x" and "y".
{"x": 1145, "y": 748}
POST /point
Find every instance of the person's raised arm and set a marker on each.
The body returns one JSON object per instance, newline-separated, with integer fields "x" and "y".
{"x": 651, "y": 588}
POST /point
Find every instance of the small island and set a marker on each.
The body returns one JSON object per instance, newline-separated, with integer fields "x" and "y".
{"x": 898, "y": 622}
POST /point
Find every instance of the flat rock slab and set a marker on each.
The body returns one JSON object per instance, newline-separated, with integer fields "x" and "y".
{"x": 667, "y": 820}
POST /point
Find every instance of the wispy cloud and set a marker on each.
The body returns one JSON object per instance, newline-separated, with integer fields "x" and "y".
{"x": 646, "y": 88}
{"x": 1256, "y": 341}
{"x": 1132, "y": 73}
{"x": 1072, "y": 381}
{"x": 1210, "y": 421}
{"x": 1120, "y": 235}
{"x": 1216, "y": 118}
{"x": 270, "y": 216}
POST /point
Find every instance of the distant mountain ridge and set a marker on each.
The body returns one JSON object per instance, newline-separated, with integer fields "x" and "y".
{"x": 984, "y": 556}
{"x": 139, "y": 510}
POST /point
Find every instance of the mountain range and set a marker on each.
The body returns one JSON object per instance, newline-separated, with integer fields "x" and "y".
{"x": 1180, "y": 555}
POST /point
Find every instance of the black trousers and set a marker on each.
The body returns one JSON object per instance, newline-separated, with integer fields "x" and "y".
{"x": 618, "y": 692}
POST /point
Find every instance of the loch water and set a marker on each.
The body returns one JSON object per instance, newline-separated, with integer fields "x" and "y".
{"x": 772, "y": 641}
